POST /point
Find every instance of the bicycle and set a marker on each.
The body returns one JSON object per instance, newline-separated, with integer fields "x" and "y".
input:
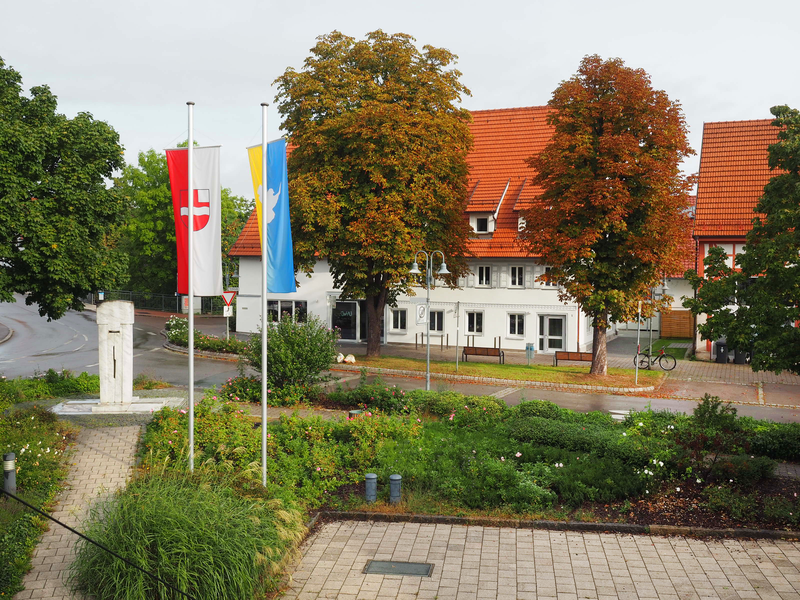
{"x": 645, "y": 360}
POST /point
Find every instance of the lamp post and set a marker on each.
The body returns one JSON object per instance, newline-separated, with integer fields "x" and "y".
{"x": 428, "y": 281}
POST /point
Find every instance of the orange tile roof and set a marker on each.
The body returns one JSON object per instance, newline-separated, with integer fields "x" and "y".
{"x": 504, "y": 140}
{"x": 733, "y": 173}
{"x": 249, "y": 242}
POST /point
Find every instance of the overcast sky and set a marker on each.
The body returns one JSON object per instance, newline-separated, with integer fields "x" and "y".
{"x": 136, "y": 64}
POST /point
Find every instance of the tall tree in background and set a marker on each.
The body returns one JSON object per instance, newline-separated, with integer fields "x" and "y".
{"x": 56, "y": 213}
{"x": 378, "y": 169}
{"x": 611, "y": 220}
{"x": 757, "y": 305}
{"x": 148, "y": 236}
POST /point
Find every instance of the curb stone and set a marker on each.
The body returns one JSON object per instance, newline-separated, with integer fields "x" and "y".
{"x": 624, "y": 528}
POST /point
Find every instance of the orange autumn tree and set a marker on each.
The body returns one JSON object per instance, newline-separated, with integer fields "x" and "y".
{"x": 378, "y": 170}
{"x": 612, "y": 218}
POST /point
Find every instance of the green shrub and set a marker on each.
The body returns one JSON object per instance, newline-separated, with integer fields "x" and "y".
{"x": 457, "y": 409}
{"x": 298, "y": 351}
{"x": 193, "y": 531}
{"x": 782, "y": 511}
{"x": 577, "y": 437}
{"x": 51, "y": 384}
{"x": 378, "y": 396}
{"x": 177, "y": 329}
{"x": 745, "y": 470}
{"x": 780, "y": 441}
{"x": 724, "y": 499}
{"x": 39, "y": 441}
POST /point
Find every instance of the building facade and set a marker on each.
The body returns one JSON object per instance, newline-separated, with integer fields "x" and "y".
{"x": 501, "y": 303}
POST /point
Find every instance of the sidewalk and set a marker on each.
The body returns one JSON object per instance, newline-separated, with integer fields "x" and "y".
{"x": 101, "y": 463}
{"x": 471, "y": 562}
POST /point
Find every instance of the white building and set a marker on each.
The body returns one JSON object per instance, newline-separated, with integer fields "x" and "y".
{"x": 500, "y": 304}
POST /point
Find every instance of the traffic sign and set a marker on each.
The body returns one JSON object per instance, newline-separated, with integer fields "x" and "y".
{"x": 228, "y": 297}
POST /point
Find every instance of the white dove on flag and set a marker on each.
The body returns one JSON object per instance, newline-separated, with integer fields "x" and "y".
{"x": 272, "y": 201}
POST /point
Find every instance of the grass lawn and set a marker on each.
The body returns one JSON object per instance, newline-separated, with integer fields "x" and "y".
{"x": 678, "y": 353}
{"x": 565, "y": 374}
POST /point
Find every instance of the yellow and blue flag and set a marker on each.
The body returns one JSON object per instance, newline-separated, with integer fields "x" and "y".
{"x": 280, "y": 271}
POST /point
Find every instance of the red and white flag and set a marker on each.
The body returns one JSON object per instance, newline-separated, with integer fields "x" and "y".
{"x": 206, "y": 244}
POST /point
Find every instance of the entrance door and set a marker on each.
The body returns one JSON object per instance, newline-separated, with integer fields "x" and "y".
{"x": 551, "y": 333}
{"x": 344, "y": 317}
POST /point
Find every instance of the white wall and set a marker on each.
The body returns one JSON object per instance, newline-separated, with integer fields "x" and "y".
{"x": 531, "y": 301}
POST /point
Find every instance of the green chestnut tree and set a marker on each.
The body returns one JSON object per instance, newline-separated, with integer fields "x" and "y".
{"x": 756, "y": 305}
{"x": 57, "y": 214}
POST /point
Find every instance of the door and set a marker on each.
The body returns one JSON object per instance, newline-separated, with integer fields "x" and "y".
{"x": 344, "y": 317}
{"x": 551, "y": 333}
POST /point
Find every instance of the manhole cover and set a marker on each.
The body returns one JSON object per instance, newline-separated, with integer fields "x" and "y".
{"x": 393, "y": 567}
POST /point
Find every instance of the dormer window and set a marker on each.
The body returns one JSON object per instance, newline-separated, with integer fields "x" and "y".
{"x": 482, "y": 223}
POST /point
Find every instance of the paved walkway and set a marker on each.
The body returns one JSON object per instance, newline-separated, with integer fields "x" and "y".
{"x": 101, "y": 463}
{"x": 508, "y": 564}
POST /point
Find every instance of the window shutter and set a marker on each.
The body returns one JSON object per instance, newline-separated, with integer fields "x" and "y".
{"x": 471, "y": 281}
{"x": 494, "y": 277}
{"x": 529, "y": 273}
{"x": 462, "y": 282}
{"x": 504, "y": 280}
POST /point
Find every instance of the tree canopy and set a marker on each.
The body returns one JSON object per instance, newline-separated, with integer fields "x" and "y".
{"x": 56, "y": 212}
{"x": 378, "y": 167}
{"x": 148, "y": 236}
{"x": 611, "y": 220}
{"x": 756, "y": 306}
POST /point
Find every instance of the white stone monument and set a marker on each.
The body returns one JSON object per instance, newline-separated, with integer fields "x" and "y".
{"x": 115, "y": 340}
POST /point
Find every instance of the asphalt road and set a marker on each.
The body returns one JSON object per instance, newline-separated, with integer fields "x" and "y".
{"x": 71, "y": 343}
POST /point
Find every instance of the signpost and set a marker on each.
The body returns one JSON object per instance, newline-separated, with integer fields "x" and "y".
{"x": 227, "y": 312}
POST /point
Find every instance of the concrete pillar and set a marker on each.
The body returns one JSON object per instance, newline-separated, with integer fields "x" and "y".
{"x": 115, "y": 331}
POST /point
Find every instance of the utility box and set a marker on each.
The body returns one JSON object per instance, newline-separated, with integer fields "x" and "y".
{"x": 115, "y": 340}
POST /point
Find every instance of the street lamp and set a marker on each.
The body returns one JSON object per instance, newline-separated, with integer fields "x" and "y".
{"x": 428, "y": 282}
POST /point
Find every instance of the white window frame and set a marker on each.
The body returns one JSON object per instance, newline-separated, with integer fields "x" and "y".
{"x": 432, "y": 320}
{"x": 548, "y": 284}
{"x": 276, "y": 309}
{"x": 519, "y": 271}
{"x": 484, "y": 277}
{"x": 516, "y": 321}
{"x": 400, "y": 315}
{"x": 478, "y": 317}
{"x": 543, "y": 336}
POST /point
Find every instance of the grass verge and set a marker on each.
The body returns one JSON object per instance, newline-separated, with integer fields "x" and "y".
{"x": 575, "y": 375}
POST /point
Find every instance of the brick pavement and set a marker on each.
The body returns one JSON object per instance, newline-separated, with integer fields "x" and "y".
{"x": 472, "y": 562}
{"x": 101, "y": 463}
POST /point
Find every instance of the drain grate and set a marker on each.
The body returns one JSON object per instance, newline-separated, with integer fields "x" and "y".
{"x": 393, "y": 567}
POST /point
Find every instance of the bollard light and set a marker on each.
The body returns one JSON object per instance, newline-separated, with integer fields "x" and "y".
{"x": 395, "y": 482}
{"x": 371, "y": 480}
{"x": 10, "y": 473}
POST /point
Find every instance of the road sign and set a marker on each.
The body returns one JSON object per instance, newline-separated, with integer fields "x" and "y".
{"x": 227, "y": 311}
{"x": 228, "y": 297}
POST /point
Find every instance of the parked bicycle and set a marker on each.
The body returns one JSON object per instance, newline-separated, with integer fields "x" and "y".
{"x": 645, "y": 360}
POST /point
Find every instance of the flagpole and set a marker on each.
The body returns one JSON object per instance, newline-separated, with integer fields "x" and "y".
{"x": 190, "y": 202}
{"x": 264, "y": 272}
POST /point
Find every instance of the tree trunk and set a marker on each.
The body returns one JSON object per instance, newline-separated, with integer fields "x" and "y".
{"x": 599, "y": 351}
{"x": 375, "y": 306}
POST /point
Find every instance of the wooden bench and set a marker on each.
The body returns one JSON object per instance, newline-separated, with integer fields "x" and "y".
{"x": 562, "y": 355}
{"x": 474, "y": 351}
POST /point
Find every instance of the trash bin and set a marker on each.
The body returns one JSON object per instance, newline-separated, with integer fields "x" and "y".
{"x": 530, "y": 352}
{"x": 739, "y": 357}
{"x": 722, "y": 352}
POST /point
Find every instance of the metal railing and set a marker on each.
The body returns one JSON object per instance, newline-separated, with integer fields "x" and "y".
{"x": 160, "y": 302}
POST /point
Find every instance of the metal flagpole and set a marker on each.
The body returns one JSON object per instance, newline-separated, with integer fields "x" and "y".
{"x": 190, "y": 202}
{"x": 264, "y": 271}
